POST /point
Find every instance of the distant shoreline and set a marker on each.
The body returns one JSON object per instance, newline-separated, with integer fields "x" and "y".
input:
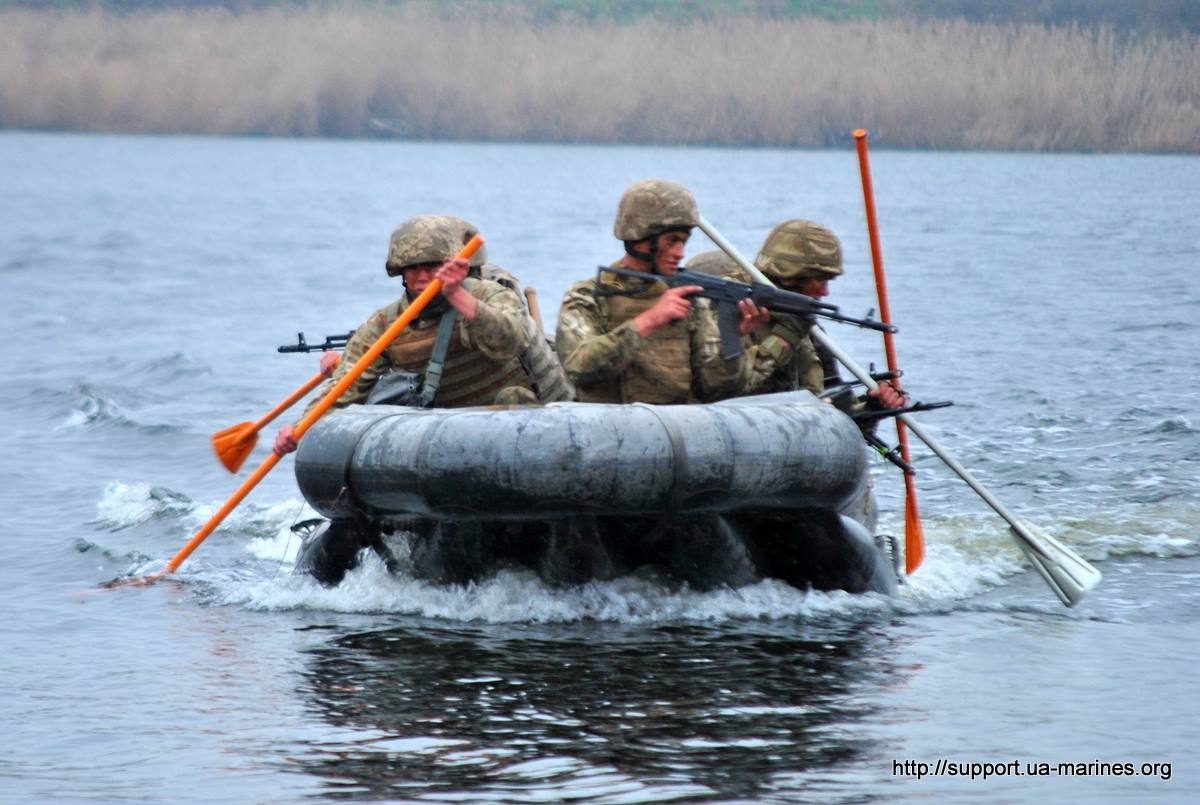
{"x": 409, "y": 74}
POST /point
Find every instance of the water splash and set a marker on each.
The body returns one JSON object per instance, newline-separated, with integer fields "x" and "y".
{"x": 126, "y": 505}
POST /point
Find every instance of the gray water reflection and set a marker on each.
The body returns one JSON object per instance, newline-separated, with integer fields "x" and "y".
{"x": 594, "y": 712}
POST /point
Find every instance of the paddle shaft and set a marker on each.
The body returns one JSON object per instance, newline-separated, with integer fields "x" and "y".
{"x": 534, "y": 311}
{"x": 938, "y": 450}
{"x": 865, "y": 378}
{"x": 296, "y": 395}
{"x": 914, "y": 547}
{"x": 324, "y": 405}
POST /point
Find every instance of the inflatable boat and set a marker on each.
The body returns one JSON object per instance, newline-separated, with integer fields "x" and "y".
{"x": 728, "y": 493}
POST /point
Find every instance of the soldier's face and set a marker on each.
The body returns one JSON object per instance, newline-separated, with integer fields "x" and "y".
{"x": 670, "y": 251}
{"x": 815, "y": 287}
{"x": 418, "y": 277}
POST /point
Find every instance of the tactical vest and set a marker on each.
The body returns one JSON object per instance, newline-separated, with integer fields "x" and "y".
{"x": 546, "y": 376}
{"x": 469, "y": 377}
{"x": 662, "y": 372}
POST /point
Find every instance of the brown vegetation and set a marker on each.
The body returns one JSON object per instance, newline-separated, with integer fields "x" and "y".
{"x": 409, "y": 72}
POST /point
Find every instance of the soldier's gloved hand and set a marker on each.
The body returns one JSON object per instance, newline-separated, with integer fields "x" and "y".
{"x": 792, "y": 329}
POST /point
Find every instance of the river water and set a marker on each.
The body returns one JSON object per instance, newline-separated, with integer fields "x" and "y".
{"x": 147, "y": 281}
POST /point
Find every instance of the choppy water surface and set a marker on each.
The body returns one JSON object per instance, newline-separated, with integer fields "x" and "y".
{"x": 146, "y": 283}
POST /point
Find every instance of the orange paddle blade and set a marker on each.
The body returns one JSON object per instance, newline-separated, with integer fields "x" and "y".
{"x": 234, "y": 444}
{"x": 136, "y": 581}
{"x": 914, "y": 540}
{"x": 324, "y": 405}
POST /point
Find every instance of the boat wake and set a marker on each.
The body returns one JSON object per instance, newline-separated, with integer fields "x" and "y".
{"x": 519, "y": 596}
{"x": 967, "y": 556}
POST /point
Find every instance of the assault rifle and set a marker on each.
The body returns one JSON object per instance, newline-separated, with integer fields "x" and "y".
{"x": 842, "y": 397}
{"x": 726, "y": 294}
{"x": 331, "y": 342}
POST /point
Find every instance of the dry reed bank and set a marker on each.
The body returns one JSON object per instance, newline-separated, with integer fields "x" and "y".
{"x": 410, "y": 72}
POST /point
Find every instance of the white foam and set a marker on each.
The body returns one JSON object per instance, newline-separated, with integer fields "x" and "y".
{"x": 966, "y": 556}
{"x": 520, "y": 596}
{"x": 124, "y": 505}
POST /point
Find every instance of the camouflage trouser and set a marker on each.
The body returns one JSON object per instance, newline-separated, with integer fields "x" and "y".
{"x": 515, "y": 395}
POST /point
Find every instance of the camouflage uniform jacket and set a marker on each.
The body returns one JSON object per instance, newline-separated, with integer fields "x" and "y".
{"x": 499, "y": 333}
{"x": 784, "y": 358}
{"x": 609, "y": 361}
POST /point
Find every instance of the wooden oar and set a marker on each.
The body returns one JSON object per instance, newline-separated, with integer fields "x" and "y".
{"x": 534, "y": 311}
{"x": 914, "y": 541}
{"x": 233, "y": 444}
{"x": 316, "y": 413}
{"x": 1067, "y": 573}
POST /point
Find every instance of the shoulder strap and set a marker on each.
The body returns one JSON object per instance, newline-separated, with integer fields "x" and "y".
{"x": 437, "y": 361}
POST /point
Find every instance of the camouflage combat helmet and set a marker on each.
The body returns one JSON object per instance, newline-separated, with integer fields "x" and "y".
{"x": 719, "y": 264}
{"x": 653, "y": 206}
{"x": 429, "y": 239}
{"x": 467, "y": 230}
{"x": 799, "y": 249}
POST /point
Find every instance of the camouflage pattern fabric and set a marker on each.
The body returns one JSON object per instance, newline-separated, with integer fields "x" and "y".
{"x": 597, "y": 353}
{"x": 465, "y": 230}
{"x": 652, "y": 206}
{"x": 429, "y": 239}
{"x": 499, "y": 333}
{"x": 550, "y": 383}
{"x": 798, "y": 249}
{"x": 718, "y": 264}
{"x": 516, "y": 395}
{"x": 782, "y": 356}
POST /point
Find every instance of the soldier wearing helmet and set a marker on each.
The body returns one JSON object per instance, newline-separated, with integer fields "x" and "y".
{"x": 800, "y": 256}
{"x": 463, "y": 347}
{"x": 648, "y": 342}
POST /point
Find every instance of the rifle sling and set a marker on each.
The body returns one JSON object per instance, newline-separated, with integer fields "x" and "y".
{"x": 437, "y": 361}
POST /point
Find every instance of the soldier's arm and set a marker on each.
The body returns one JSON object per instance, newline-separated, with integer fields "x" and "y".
{"x": 500, "y": 329}
{"x": 786, "y": 342}
{"x": 362, "y": 340}
{"x": 713, "y": 377}
{"x": 590, "y": 353}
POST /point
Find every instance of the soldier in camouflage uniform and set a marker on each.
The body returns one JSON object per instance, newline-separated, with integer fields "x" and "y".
{"x": 797, "y": 256}
{"x": 652, "y": 343}
{"x": 800, "y": 256}
{"x": 487, "y": 323}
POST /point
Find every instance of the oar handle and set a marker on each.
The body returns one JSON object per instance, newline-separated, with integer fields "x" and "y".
{"x": 324, "y": 405}
{"x": 534, "y": 311}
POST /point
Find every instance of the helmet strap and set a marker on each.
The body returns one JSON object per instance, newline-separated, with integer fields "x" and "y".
{"x": 646, "y": 256}
{"x": 649, "y": 255}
